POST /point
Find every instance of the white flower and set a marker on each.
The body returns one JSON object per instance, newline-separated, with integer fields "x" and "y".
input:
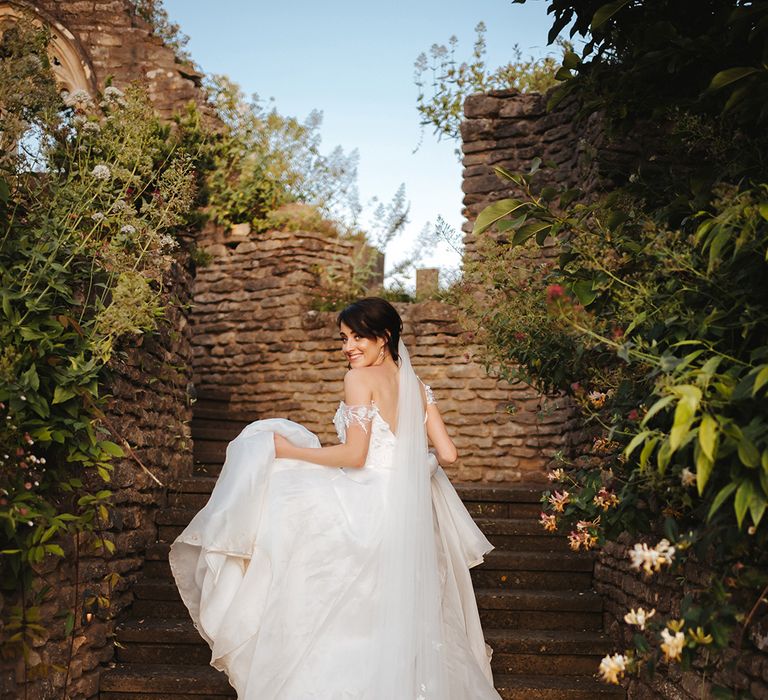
{"x": 652, "y": 559}
{"x": 120, "y": 205}
{"x": 92, "y": 127}
{"x": 673, "y": 644}
{"x": 98, "y": 217}
{"x": 556, "y": 475}
{"x": 639, "y": 617}
{"x": 113, "y": 95}
{"x": 168, "y": 242}
{"x": 79, "y": 100}
{"x": 128, "y": 229}
{"x": 687, "y": 477}
{"x": 101, "y": 172}
{"x": 613, "y": 667}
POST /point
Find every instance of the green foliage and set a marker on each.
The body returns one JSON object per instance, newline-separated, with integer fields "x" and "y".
{"x": 89, "y": 203}
{"x": 702, "y": 57}
{"x": 452, "y": 82}
{"x": 660, "y": 335}
{"x": 263, "y": 160}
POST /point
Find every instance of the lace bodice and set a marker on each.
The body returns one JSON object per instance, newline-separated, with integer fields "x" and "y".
{"x": 369, "y": 418}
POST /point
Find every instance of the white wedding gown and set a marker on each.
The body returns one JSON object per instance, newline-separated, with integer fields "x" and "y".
{"x": 278, "y": 570}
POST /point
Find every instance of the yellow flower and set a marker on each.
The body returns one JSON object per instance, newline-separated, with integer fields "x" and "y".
{"x": 548, "y": 522}
{"x": 558, "y": 500}
{"x": 699, "y": 637}
{"x": 556, "y": 475}
{"x": 639, "y": 617}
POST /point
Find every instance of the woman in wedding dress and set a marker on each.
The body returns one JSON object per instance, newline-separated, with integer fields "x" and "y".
{"x": 342, "y": 572}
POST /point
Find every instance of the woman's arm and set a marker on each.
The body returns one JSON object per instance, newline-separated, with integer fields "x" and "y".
{"x": 438, "y": 436}
{"x": 351, "y": 453}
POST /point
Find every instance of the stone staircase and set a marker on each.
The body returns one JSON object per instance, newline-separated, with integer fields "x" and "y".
{"x": 536, "y": 604}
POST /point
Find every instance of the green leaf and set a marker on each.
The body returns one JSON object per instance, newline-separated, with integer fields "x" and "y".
{"x": 571, "y": 60}
{"x": 69, "y": 624}
{"x": 529, "y": 230}
{"x": 111, "y": 448}
{"x": 54, "y": 549}
{"x": 760, "y": 380}
{"x": 748, "y": 453}
{"x": 635, "y": 442}
{"x": 658, "y": 406}
{"x": 493, "y": 212}
{"x": 741, "y": 500}
{"x": 584, "y": 291}
{"x": 708, "y": 436}
{"x": 605, "y": 12}
{"x": 62, "y": 394}
{"x": 721, "y": 497}
{"x": 645, "y": 453}
{"x": 703, "y": 470}
{"x": 757, "y": 509}
{"x": 763, "y": 209}
{"x": 730, "y": 75}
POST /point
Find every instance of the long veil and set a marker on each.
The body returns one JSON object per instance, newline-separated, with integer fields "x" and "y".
{"x": 410, "y": 626}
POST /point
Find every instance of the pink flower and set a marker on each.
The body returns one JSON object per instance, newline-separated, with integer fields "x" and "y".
{"x": 548, "y": 522}
{"x": 634, "y": 414}
{"x": 554, "y": 291}
{"x": 558, "y": 500}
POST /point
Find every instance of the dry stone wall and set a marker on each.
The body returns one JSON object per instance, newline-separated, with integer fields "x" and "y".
{"x": 258, "y": 340}
{"x": 114, "y": 43}
{"x": 149, "y": 407}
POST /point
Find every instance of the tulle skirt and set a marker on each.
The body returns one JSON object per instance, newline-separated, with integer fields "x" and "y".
{"x": 279, "y": 573}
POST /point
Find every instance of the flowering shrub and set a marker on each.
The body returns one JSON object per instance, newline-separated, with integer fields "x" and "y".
{"x": 89, "y": 207}
{"x": 668, "y": 363}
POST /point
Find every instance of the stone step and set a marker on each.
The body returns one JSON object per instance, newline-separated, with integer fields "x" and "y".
{"x": 155, "y": 589}
{"x": 212, "y": 451}
{"x": 206, "y": 469}
{"x": 163, "y": 682}
{"x": 546, "y": 652}
{"x": 524, "y": 533}
{"x": 150, "y": 654}
{"x": 555, "y": 687}
{"x": 530, "y": 652}
{"x": 538, "y": 601}
{"x": 212, "y": 429}
{"x": 159, "y": 609}
{"x": 539, "y": 610}
{"x": 539, "y": 570}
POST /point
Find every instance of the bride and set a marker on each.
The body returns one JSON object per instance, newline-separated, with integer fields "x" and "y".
{"x": 342, "y": 572}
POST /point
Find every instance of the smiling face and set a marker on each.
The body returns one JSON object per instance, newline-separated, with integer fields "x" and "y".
{"x": 360, "y": 351}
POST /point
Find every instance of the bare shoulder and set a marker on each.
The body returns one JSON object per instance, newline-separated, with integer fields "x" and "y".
{"x": 358, "y": 376}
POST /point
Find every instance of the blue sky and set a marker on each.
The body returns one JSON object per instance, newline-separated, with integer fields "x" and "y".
{"x": 354, "y": 62}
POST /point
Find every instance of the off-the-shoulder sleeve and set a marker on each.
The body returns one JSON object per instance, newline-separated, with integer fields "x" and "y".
{"x": 361, "y": 415}
{"x": 430, "y": 394}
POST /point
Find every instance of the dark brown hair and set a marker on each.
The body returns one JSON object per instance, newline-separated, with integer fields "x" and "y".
{"x": 373, "y": 317}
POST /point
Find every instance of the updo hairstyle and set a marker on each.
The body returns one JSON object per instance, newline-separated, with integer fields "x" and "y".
{"x": 373, "y": 317}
